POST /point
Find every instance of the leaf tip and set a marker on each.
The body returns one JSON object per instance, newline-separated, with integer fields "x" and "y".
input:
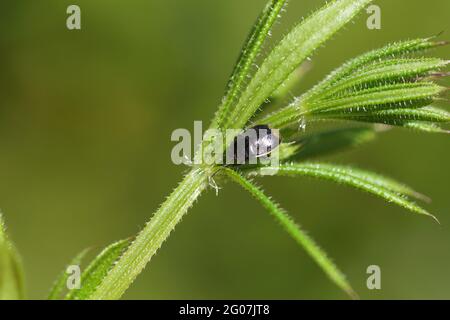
{"x": 435, "y": 219}
{"x": 432, "y": 216}
{"x": 353, "y": 295}
{"x": 441, "y": 43}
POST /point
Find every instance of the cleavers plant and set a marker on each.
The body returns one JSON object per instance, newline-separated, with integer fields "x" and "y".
{"x": 390, "y": 86}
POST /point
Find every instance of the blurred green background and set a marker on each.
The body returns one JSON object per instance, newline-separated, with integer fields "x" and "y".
{"x": 85, "y": 124}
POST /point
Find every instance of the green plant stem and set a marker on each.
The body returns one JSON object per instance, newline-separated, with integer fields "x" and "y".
{"x": 150, "y": 239}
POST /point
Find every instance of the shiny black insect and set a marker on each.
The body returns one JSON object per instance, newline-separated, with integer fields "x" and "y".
{"x": 253, "y": 143}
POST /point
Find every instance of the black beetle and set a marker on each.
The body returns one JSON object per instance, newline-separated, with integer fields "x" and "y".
{"x": 252, "y": 144}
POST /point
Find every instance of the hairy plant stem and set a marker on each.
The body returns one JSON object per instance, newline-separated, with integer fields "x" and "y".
{"x": 150, "y": 239}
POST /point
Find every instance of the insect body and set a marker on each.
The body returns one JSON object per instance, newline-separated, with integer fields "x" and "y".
{"x": 253, "y": 143}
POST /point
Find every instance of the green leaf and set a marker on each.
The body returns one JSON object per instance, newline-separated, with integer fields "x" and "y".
{"x": 247, "y": 59}
{"x": 412, "y": 95}
{"x": 290, "y": 52}
{"x": 394, "y": 50}
{"x": 381, "y": 73}
{"x": 11, "y": 270}
{"x": 400, "y": 117}
{"x": 424, "y": 127}
{"x": 97, "y": 270}
{"x": 60, "y": 284}
{"x": 382, "y": 187}
{"x": 363, "y": 102}
{"x": 331, "y": 141}
{"x": 296, "y": 232}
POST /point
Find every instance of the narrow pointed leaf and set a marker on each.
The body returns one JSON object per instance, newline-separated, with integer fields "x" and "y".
{"x": 97, "y": 270}
{"x": 364, "y": 102}
{"x": 247, "y": 58}
{"x": 382, "y": 73}
{"x": 424, "y": 127}
{"x": 377, "y": 179}
{"x": 414, "y": 95}
{"x": 393, "y": 50}
{"x": 11, "y": 270}
{"x": 296, "y": 232}
{"x": 290, "y": 52}
{"x": 400, "y": 117}
{"x": 387, "y": 189}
